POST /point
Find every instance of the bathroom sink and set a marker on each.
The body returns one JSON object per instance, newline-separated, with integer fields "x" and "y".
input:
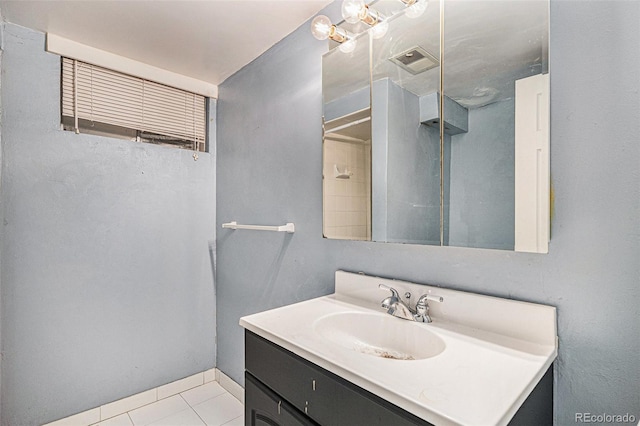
{"x": 474, "y": 365}
{"x": 380, "y": 335}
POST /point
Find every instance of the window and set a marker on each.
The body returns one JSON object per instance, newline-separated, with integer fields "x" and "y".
{"x": 100, "y": 101}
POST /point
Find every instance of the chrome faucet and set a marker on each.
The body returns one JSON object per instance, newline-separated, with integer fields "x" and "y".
{"x": 396, "y": 307}
{"x": 422, "y": 307}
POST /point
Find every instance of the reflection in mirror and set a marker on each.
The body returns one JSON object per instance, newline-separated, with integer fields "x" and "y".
{"x": 491, "y": 51}
{"x": 395, "y": 172}
{"x": 347, "y": 141}
{"x": 406, "y": 138}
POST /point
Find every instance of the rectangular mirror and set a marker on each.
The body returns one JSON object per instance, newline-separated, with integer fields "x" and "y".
{"x": 490, "y": 49}
{"x": 347, "y": 141}
{"x": 395, "y": 172}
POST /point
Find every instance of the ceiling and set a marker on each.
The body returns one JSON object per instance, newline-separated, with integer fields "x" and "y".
{"x": 207, "y": 40}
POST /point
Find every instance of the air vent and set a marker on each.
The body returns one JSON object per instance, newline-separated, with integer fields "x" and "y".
{"x": 415, "y": 60}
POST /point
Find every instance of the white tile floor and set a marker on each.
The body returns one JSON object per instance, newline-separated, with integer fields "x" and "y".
{"x": 209, "y": 404}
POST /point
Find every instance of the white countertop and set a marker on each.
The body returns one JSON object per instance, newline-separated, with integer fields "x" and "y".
{"x": 481, "y": 378}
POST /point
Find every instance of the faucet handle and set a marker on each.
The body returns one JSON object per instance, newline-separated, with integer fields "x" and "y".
{"x": 422, "y": 308}
{"x": 432, "y": 297}
{"x": 393, "y": 291}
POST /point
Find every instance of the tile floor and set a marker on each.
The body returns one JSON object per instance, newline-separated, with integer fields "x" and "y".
{"x": 209, "y": 404}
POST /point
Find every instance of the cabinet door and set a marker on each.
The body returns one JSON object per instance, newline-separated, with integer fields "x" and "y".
{"x": 263, "y": 407}
{"x": 284, "y": 373}
{"x": 323, "y": 396}
{"x": 330, "y": 400}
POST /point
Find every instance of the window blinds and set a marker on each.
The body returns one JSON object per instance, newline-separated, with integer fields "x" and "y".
{"x": 100, "y": 95}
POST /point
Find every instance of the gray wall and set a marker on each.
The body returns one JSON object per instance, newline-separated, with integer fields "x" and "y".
{"x": 413, "y": 171}
{"x": 107, "y": 282}
{"x": 347, "y": 104}
{"x": 269, "y": 171}
{"x": 482, "y": 173}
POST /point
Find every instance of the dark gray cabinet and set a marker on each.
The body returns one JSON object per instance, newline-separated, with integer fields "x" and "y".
{"x": 320, "y": 395}
{"x": 266, "y": 408}
{"x": 283, "y": 389}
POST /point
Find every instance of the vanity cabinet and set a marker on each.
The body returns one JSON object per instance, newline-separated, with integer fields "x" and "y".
{"x": 268, "y": 408}
{"x": 283, "y": 389}
{"x": 319, "y": 396}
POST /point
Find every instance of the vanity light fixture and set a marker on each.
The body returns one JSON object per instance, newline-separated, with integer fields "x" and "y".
{"x": 348, "y": 46}
{"x": 354, "y": 11}
{"x": 322, "y": 29}
{"x": 415, "y": 8}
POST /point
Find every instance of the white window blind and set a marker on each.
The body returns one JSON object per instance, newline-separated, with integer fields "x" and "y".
{"x": 99, "y": 95}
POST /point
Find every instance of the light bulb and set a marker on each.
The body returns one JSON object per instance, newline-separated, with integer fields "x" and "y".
{"x": 379, "y": 30}
{"x": 352, "y": 10}
{"x": 348, "y": 46}
{"x": 321, "y": 27}
{"x": 417, "y": 9}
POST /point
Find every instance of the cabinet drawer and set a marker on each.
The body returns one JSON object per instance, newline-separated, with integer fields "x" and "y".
{"x": 263, "y": 407}
{"x": 323, "y": 396}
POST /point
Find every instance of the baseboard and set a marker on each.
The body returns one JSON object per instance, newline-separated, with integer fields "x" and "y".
{"x": 230, "y": 385}
{"x": 132, "y": 402}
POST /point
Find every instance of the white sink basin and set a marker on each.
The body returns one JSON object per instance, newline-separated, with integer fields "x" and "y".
{"x": 380, "y": 335}
{"x": 474, "y": 365}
